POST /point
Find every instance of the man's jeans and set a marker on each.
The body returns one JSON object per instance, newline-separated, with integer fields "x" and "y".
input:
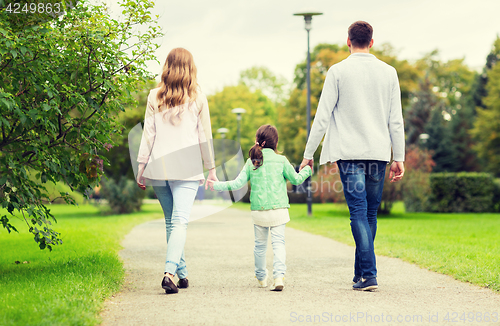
{"x": 363, "y": 182}
{"x": 278, "y": 242}
{"x": 176, "y": 198}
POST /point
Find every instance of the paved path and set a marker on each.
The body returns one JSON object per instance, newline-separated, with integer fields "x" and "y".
{"x": 223, "y": 290}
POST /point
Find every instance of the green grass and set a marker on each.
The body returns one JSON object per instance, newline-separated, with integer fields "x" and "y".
{"x": 68, "y": 285}
{"x": 465, "y": 246}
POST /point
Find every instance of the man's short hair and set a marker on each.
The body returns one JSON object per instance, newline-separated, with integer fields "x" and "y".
{"x": 360, "y": 33}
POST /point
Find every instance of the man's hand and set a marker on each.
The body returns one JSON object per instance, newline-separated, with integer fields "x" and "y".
{"x": 397, "y": 171}
{"x": 307, "y": 162}
{"x": 141, "y": 181}
{"x": 211, "y": 179}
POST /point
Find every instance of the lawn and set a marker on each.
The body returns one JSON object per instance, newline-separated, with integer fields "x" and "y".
{"x": 68, "y": 285}
{"x": 465, "y": 246}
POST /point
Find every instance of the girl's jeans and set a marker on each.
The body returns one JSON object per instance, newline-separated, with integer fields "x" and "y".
{"x": 363, "y": 182}
{"x": 176, "y": 198}
{"x": 278, "y": 242}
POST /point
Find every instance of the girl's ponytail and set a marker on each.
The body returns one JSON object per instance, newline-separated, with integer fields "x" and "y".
{"x": 266, "y": 137}
{"x": 256, "y": 155}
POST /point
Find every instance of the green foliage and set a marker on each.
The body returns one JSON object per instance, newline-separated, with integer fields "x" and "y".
{"x": 461, "y": 192}
{"x": 262, "y": 79}
{"x": 487, "y": 125}
{"x": 416, "y": 185}
{"x": 123, "y": 196}
{"x": 69, "y": 285}
{"x": 260, "y": 111}
{"x": 61, "y": 84}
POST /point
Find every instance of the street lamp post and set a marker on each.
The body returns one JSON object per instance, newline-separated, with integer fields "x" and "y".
{"x": 308, "y": 18}
{"x": 223, "y": 132}
{"x": 239, "y": 112}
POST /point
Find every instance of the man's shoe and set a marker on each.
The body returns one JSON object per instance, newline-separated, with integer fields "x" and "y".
{"x": 366, "y": 284}
{"x": 356, "y": 279}
{"x": 183, "y": 283}
{"x": 168, "y": 285}
{"x": 278, "y": 284}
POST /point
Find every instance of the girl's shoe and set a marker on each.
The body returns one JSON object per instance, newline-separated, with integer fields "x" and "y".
{"x": 263, "y": 283}
{"x": 278, "y": 284}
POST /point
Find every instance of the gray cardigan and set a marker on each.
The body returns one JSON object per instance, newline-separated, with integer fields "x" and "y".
{"x": 360, "y": 111}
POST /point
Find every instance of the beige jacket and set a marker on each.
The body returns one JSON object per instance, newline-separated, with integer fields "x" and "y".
{"x": 175, "y": 152}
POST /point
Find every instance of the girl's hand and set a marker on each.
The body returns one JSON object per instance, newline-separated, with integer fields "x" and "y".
{"x": 211, "y": 179}
{"x": 141, "y": 181}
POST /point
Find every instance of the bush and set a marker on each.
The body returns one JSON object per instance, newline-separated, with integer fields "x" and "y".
{"x": 124, "y": 196}
{"x": 462, "y": 192}
{"x": 496, "y": 196}
{"x": 326, "y": 185}
{"x": 416, "y": 188}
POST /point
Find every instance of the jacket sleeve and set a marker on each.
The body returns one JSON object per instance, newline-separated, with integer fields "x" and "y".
{"x": 327, "y": 102}
{"x": 148, "y": 133}
{"x": 237, "y": 183}
{"x": 295, "y": 177}
{"x": 205, "y": 133}
{"x": 396, "y": 124}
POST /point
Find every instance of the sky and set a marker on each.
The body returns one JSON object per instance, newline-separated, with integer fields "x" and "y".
{"x": 229, "y": 36}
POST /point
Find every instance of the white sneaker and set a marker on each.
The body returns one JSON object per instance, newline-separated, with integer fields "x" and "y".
{"x": 263, "y": 283}
{"x": 278, "y": 284}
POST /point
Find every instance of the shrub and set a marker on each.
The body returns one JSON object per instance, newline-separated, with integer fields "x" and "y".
{"x": 123, "y": 196}
{"x": 462, "y": 192}
{"x": 416, "y": 188}
{"x": 326, "y": 185}
{"x": 496, "y": 196}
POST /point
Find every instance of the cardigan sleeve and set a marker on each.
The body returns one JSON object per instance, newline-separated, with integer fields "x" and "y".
{"x": 295, "y": 177}
{"x": 148, "y": 133}
{"x": 237, "y": 183}
{"x": 205, "y": 133}
{"x": 396, "y": 123}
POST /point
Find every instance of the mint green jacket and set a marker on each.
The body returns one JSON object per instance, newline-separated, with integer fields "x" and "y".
{"x": 268, "y": 182}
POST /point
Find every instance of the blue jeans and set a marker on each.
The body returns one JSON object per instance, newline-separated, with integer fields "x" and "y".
{"x": 278, "y": 242}
{"x": 176, "y": 198}
{"x": 363, "y": 182}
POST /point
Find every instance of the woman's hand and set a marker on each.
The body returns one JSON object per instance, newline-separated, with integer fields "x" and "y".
{"x": 211, "y": 179}
{"x": 141, "y": 181}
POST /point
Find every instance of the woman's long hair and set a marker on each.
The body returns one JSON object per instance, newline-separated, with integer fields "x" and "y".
{"x": 266, "y": 137}
{"x": 178, "y": 84}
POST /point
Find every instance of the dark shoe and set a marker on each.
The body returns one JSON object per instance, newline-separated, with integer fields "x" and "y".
{"x": 168, "y": 285}
{"x": 366, "y": 284}
{"x": 183, "y": 283}
{"x": 356, "y": 279}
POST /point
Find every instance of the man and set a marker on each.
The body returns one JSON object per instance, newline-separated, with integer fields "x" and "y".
{"x": 360, "y": 111}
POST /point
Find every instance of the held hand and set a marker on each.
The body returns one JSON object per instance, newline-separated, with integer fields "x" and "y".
{"x": 211, "y": 179}
{"x": 307, "y": 162}
{"x": 397, "y": 171}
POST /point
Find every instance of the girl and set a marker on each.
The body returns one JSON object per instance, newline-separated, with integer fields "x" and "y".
{"x": 267, "y": 172}
{"x": 177, "y": 135}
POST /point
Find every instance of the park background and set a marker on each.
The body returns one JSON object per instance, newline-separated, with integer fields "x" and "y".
{"x": 443, "y": 216}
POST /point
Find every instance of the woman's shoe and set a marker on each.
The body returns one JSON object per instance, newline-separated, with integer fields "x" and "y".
{"x": 183, "y": 283}
{"x": 168, "y": 285}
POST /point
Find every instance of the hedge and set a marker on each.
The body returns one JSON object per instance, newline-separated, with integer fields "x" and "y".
{"x": 462, "y": 192}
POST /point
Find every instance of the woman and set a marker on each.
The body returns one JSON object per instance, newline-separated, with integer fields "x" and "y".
{"x": 177, "y": 135}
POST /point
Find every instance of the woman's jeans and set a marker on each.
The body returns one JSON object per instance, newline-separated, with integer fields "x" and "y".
{"x": 278, "y": 242}
{"x": 363, "y": 182}
{"x": 176, "y": 198}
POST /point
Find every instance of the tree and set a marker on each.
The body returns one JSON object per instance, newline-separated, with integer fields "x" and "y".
{"x": 487, "y": 125}
{"x": 62, "y": 82}
{"x": 260, "y": 111}
{"x": 264, "y": 80}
